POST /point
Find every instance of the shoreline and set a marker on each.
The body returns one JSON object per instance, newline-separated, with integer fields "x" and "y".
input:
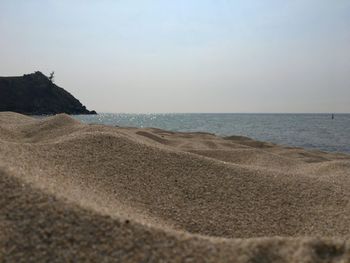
{"x": 307, "y": 131}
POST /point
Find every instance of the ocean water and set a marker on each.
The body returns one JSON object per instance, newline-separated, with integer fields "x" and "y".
{"x": 313, "y": 131}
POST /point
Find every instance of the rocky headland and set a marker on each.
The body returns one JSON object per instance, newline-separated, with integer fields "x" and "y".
{"x": 36, "y": 94}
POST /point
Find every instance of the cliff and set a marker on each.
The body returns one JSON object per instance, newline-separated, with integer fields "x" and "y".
{"x": 35, "y": 94}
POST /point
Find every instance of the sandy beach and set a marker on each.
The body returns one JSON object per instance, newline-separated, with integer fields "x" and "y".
{"x": 92, "y": 193}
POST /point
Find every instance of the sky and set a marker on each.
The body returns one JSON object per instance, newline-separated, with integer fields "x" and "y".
{"x": 160, "y": 56}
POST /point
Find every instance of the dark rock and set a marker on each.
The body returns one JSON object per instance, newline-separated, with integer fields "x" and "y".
{"x": 35, "y": 94}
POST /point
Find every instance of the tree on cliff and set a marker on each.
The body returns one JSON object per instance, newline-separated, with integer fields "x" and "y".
{"x": 52, "y": 76}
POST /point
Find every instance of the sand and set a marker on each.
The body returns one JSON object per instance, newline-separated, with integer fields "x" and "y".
{"x": 90, "y": 193}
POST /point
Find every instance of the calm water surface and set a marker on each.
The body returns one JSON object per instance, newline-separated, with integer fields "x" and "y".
{"x": 316, "y": 131}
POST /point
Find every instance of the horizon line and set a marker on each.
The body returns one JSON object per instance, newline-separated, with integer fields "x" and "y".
{"x": 148, "y": 113}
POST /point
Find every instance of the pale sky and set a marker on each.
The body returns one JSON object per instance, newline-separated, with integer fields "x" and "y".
{"x": 185, "y": 55}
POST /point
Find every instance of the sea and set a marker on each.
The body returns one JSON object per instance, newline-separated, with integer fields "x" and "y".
{"x": 311, "y": 131}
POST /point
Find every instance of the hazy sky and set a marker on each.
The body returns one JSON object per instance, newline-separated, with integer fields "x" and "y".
{"x": 185, "y": 55}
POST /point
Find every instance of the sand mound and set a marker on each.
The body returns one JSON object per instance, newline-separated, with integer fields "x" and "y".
{"x": 87, "y": 192}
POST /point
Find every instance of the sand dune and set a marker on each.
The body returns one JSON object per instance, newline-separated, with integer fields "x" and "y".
{"x": 77, "y": 192}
